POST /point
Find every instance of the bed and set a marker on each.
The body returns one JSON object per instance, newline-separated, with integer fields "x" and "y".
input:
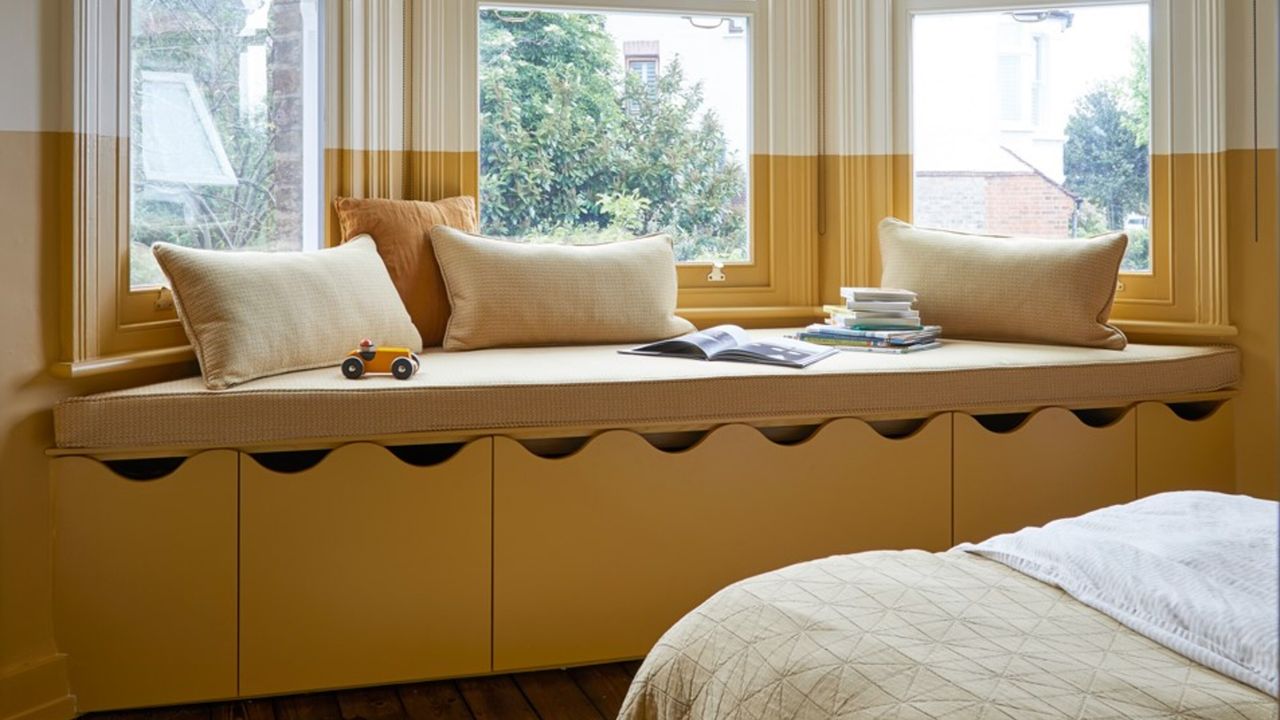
{"x": 1164, "y": 607}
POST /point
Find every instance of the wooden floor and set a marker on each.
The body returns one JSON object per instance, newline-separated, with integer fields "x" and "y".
{"x": 587, "y": 693}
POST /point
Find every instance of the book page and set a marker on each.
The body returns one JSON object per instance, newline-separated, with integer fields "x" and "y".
{"x": 720, "y": 338}
{"x": 778, "y": 351}
{"x": 700, "y": 344}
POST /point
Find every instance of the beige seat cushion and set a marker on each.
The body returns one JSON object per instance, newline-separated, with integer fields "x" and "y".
{"x": 402, "y": 230}
{"x": 507, "y": 294}
{"x": 595, "y": 387}
{"x": 253, "y": 314}
{"x": 1011, "y": 289}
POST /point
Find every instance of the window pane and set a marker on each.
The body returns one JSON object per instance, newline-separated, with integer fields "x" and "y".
{"x": 224, "y": 127}
{"x": 1034, "y": 123}
{"x": 596, "y": 127}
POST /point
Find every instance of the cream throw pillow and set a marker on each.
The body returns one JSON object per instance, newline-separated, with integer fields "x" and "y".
{"x": 1014, "y": 289}
{"x": 506, "y": 293}
{"x": 253, "y": 314}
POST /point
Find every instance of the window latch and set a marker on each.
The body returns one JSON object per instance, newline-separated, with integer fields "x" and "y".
{"x": 164, "y": 299}
{"x": 717, "y": 272}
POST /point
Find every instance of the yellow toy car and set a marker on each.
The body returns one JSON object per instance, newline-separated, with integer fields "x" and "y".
{"x": 400, "y": 362}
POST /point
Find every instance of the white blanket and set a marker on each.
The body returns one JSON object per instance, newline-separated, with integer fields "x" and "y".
{"x": 1193, "y": 571}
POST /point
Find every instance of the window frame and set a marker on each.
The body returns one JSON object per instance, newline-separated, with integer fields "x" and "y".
{"x": 695, "y": 275}
{"x": 1185, "y": 292}
{"x": 107, "y": 324}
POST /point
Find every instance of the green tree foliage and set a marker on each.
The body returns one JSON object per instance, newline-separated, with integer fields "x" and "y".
{"x": 1102, "y": 159}
{"x": 1139, "y": 86}
{"x": 572, "y": 147}
{"x": 548, "y": 99}
{"x": 683, "y": 165}
{"x": 1106, "y": 158}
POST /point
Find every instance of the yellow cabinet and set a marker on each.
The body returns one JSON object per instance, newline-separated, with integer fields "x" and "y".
{"x": 597, "y": 553}
{"x": 1051, "y": 465}
{"x": 1195, "y": 452}
{"x": 365, "y": 568}
{"x": 145, "y": 581}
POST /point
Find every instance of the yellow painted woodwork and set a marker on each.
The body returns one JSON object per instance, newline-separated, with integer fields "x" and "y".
{"x": 364, "y": 570}
{"x": 596, "y": 554}
{"x": 1178, "y": 454}
{"x": 145, "y": 582}
{"x": 1051, "y": 466}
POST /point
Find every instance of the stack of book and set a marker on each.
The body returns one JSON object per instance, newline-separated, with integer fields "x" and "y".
{"x": 874, "y": 320}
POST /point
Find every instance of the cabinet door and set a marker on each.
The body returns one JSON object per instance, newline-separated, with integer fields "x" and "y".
{"x": 1196, "y": 452}
{"x": 364, "y": 569}
{"x": 145, "y": 581}
{"x": 1050, "y": 466}
{"x": 596, "y": 554}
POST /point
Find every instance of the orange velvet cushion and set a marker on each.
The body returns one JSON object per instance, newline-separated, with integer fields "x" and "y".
{"x": 402, "y": 231}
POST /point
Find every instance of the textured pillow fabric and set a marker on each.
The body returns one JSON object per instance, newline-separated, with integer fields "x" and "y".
{"x": 402, "y": 229}
{"x": 1013, "y": 289}
{"x": 507, "y": 293}
{"x": 253, "y": 314}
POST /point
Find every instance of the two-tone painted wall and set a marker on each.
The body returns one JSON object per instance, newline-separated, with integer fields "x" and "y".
{"x": 35, "y": 146}
{"x": 35, "y": 181}
{"x": 1253, "y": 236}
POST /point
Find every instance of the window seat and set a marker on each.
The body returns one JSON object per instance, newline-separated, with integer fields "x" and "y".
{"x": 523, "y": 509}
{"x": 593, "y": 387}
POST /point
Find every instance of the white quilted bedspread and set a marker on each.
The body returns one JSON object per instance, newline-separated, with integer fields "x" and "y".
{"x": 918, "y": 635}
{"x": 1194, "y": 571}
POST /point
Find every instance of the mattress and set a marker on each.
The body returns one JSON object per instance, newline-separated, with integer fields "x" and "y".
{"x": 596, "y": 387}
{"x": 918, "y": 635}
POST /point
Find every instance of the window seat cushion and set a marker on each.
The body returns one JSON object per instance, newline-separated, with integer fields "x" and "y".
{"x": 595, "y": 387}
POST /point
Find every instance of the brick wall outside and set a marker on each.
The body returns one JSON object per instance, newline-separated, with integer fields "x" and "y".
{"x": 996, "y": 203}
{"x": 1027, "y": 205}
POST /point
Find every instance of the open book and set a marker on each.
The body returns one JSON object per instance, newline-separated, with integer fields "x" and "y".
{"x": 730, "y": 342}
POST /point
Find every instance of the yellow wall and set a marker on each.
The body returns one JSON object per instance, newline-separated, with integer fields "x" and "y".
{"x": 34, "y": 207}
{"x": 1253, "y": 233}
{"x": 34, "y": 157}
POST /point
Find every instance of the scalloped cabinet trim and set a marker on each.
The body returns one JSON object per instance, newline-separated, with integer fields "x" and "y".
{"x": 1052, "y": 465}
{"x": 234, "y": 575}
{"x": 597, "y": 553}
{"x": 364, "y": 570}
{"x": 145, "y": 581}
{"x": 1179, "y": 454}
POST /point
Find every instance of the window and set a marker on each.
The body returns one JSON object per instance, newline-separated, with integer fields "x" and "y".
{"x": 642, "y": 59}
{"x": 197, "y": 123}
{"x": 224, "y": 128}
{"x": 587, "y": 137}
{"x": 1034, "y": 122}
{"x": 646, "y": 69}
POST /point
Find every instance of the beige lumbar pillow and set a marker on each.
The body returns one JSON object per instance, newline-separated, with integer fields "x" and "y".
{"x": 1011, "y": 289}
{"x": 253, "y": 314}
{"x": 509, "y": 294}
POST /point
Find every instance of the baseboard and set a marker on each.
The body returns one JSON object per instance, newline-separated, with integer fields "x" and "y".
{"x": 37, "y": 691}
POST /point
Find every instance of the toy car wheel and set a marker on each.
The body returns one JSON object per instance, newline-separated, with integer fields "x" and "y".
{"x": 352, "y": 368}
{"x": 402, "y": 368}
